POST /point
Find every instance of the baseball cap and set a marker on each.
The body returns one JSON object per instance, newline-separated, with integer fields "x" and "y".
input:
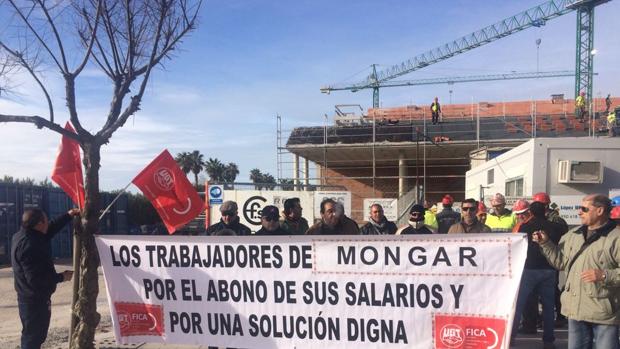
{"x": 228, "y": 207}
{"x": 270, "y": 212}
{"x": 417, "y": 208}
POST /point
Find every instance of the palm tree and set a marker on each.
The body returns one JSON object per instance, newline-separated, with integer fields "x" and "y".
{"x": 215, "y": 170}
{"x": 197, "y": 164}
{"x": 257, "y": 177}
{"x": 184, "y": 162}
{"x": 230, "y": 172}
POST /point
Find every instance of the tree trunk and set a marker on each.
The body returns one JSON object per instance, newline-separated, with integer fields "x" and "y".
{"x": 196, "y": 180}
{"x": 86, "y": 306}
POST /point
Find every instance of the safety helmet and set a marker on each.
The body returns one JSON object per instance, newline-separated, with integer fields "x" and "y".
{"x": 542, "y": 197}
{"x": 615, "y": 201}
{"x": 520, "y": 206}
{"x": 447, "y": 200}
{"x": 615, "y": 213}
{"x": 481, "y": 207}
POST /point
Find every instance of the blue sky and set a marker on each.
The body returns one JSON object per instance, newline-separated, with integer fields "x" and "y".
{"x": 252, "y": 60}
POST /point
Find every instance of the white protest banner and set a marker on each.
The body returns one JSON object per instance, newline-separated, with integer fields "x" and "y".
{"x": 343, "y": 197}
{"x": 388, "y": 291}
{"x": 390, "y": 208}
{"x": 251, "y": 203}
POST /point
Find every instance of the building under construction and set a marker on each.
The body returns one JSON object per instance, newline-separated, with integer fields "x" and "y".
{"x": 398, "y": 153}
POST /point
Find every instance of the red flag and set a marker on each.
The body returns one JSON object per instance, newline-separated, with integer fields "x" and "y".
{"x": 168, "y": 189}
{"x": 67, "y": 171}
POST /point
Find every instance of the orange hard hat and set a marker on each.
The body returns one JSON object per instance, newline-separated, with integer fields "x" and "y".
{"x": 481, "y": 207}
{"x": 615, "y": 213}
{"x": 542, "y": 197}
{"x": 520, "y": 206}
{"x": 447, "y": 200}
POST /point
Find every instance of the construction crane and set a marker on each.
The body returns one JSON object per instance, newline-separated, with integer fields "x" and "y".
{"x": 534, "y": 17}
{"x": 461, "y": 79}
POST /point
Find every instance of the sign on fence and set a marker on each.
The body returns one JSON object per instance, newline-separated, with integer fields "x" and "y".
{"x": 314, "y": 292}
{"x": 390, "y": 208}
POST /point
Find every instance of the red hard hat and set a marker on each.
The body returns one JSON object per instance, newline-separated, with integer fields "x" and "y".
{"x": 447, "y": 200}
{"x": 615, "y": 213}
{"x": 542, "y": 197}
{"x": 481, "y": 207}
{"x": 520, "y": 206}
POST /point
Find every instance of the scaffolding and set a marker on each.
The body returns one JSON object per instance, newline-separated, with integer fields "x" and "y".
{"x": 408, "y": 157}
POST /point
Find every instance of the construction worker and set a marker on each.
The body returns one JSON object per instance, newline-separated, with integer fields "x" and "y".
{"x": 500, "y": 219}
{"x": 430, "y": 219}
{"x": 552, "y": 213}
{"x": 435, "y": 111}
{"x": 521, "y": 210}
{"x": 580, "y": 105}
{"x": 607, "y": 103}
{"x": 447, "y": 217}
{"x": 611, "y": 123}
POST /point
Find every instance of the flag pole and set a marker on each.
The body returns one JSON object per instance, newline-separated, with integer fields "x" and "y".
{"x": 113, "y": 201}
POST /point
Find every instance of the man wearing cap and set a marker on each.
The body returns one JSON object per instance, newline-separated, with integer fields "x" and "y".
{"x": 447, "y": 217}
{"x": 292, "y": 221}
{"x": 500, "y": 218}
{"x": 590, "y": 255}
{"x": 378, "y": 223}
{"x": 469, "y": 224}
{"x": 229, "y": 220}
{"x": 333, "y": 221}
{"x": 538, "y": 276}
{"x": 269, "y": 219}
{"x": 416, "y": 222}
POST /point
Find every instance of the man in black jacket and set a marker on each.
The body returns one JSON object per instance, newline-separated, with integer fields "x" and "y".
{"x": 230, "y": 220}
{"x": 378, "y": 223}
{"x": 34, "y": 274}
{"x": 538, "y": 275}
{"x": 270, "y": 222}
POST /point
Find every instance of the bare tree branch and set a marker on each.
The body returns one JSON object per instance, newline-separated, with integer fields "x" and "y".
{"x": 89, "y": 49}
{"x": 50, "y": 21}
{"x": 36, "y": 34}
{"x": 22, "y": 62}
{"x": 39, "y": 122}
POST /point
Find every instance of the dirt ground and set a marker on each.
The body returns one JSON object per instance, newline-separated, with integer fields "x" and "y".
{"x": 10, "y": 325}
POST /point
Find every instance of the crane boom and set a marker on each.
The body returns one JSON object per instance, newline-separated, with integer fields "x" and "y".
{"x": 460, "y": 79}
{"x": 535, "y": 16}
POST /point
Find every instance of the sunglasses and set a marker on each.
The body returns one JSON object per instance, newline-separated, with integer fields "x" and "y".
{"x": 584, "y": 209}
{"x": 228, "y": 213}
{"x": 468, "y": 208}
{"x": 271, "y": 219}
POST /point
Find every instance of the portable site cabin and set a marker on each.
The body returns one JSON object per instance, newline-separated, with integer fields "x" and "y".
{"x": 566, "y": 168}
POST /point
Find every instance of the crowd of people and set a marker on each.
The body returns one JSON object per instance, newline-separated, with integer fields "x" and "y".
{"x": 589, "y": 254}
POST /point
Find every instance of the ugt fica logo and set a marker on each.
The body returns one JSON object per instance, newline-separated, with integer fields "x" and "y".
{"x": 468, "y": 332}
{"x": 137, "y": 319}
{"x": 164, "y": 179}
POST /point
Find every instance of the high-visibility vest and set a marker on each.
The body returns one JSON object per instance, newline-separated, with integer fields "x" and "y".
{"x": 501, "y": 223}
{"x": 434, "y": 107}
{"x": 580, "y": 101}
{"x": 611, "y": 118}
{"x": 430, "y": 219}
